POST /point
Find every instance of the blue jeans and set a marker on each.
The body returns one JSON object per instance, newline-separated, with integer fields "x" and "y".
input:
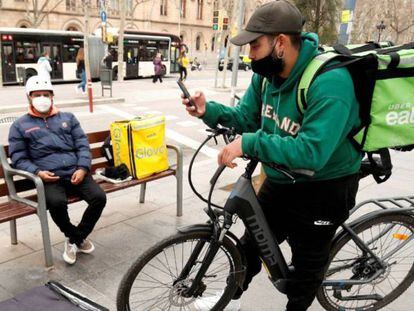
{"x": 83, "y": 82}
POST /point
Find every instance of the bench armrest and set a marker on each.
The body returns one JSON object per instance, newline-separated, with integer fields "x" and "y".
{"x": 179, "y": 157}
{"x": 9, "y": 172}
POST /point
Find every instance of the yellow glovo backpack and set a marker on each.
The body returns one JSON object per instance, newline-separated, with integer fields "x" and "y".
{"x": 140, "y": 145}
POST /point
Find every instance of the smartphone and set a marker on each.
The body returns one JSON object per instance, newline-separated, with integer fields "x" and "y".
{"x": 185, "y": 92}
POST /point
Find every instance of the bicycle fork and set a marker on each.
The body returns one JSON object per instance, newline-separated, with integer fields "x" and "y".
{"x": 197, "y": 287}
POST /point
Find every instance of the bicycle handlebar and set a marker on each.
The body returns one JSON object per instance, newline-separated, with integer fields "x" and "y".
{"x": 229, "y": 135}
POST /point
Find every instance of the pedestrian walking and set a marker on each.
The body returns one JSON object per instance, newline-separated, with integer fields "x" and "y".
{"x": 157, "y": 61}
{"x": 44, "y": 68}
{"x": 80, "y": 63}
{"x": 183, "y": 62}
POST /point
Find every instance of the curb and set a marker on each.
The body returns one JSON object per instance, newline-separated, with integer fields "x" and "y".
{"x": 67, "y": 103}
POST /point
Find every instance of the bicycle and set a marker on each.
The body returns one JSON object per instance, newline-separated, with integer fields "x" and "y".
{"x": 368, "y": 265}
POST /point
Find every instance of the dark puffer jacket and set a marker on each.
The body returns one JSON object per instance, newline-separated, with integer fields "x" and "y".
{"x": 56, "y": 143}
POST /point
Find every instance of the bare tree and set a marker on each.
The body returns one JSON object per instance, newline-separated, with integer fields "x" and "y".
{"x": 36, "y": 10}
{"x": 131, "y": 13}
{"x": 121, "y": 40}
{"x": 321, "y": 17}
{"x": 398, "y": 16}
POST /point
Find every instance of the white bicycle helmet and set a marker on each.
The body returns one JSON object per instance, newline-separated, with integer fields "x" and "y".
{"x": 38, "y": 83}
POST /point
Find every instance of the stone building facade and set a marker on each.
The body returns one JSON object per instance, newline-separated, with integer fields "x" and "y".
{"x": 194, "y": 25}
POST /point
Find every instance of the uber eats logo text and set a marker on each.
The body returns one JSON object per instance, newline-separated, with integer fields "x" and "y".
{"x": 147, "y": 152}
{"x": 400, "y": 114}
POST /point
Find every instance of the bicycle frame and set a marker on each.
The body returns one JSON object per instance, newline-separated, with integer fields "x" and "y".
{"x": 243, "y": 203}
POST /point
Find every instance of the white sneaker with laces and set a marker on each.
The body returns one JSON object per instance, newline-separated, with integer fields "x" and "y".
{"x": 69, "y": 254}
{"x": 207, "y": 303}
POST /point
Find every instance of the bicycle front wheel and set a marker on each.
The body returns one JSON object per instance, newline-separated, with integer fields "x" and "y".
{"x": 390, "y": 237}
{"x": 153, "y": 283}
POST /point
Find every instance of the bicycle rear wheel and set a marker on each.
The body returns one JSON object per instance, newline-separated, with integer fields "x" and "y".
{"x": 391, "y": 238}
{"x": 152, "y": 282}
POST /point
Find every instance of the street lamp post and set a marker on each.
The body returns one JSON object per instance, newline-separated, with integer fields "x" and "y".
{"x": 179, "y": 7}
{"x": 381, "y": 26}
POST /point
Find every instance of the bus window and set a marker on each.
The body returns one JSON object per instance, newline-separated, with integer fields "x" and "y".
{"x": 163, "y": 49}
{"x": 26, "y": 52}
{"x": 69, "y": 52}
{"x": 147, "y": 50}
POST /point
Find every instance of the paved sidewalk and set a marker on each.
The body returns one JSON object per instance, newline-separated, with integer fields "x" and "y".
{"x": 127, "y": 228}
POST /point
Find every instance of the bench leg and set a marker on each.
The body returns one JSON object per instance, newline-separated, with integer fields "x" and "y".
{"x": 142, "y": 193}
{"x": 46, "y": 240}
{"x": 13, "y": 232}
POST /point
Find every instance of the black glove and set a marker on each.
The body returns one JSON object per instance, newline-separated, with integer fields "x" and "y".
{"x": 118, "y": 172}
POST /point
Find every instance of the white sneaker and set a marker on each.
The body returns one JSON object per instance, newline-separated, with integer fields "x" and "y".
{"x": 69, "y": 254}
{"x": 86, "y": 247}
{"x": 207, "y": 303}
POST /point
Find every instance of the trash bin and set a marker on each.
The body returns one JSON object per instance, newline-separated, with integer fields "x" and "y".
{"x": 106, "y": 80}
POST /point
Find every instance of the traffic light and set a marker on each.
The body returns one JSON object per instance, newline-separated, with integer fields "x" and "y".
{"x": 225, "y": 23}
{"x": 104, "y": 34}
{"x": 216, "y": 14}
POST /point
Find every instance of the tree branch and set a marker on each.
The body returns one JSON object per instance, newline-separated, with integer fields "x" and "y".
{"x": 48, "y": 12}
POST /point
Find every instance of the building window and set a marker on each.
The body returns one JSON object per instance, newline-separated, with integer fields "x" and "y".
{"x": 163, "y": 7}
{"x": 183, "y": 8}
{"x": 199, "y": 9}
{"x": 70, "y": 5}
{"x": 72, "y": 28}
{"x": 215, "y": 5}
{"x": 114, "y": 6}
{"x": 212, "y": 43}
{"x": 198, "y": 43}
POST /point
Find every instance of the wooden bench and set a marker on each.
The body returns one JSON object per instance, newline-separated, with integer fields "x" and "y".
{"x": 20, "y": 205}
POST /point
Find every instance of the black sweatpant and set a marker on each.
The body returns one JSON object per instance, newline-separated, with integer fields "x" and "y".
{"x": 156, "y": 77}
{"x": 56, "y": 201}
{"x": 307, "y": 216}
{"x": 183, "y": 73}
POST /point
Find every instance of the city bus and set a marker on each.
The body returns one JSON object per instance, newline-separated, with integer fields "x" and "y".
{"x": 139, "y": 52}
{"x": 174, "y": 51}
{"x": 22, "y": 47}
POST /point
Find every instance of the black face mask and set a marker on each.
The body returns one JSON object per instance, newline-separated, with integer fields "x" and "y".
{"x": 268, "y": 66}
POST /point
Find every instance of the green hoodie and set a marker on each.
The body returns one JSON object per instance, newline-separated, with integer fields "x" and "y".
{"x": 273, "y": 129}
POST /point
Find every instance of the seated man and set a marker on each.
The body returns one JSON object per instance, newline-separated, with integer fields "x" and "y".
{"x": 52, "y": 145}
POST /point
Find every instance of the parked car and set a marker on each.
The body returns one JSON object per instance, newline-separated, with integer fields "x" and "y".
{"x": 244, "y": 63}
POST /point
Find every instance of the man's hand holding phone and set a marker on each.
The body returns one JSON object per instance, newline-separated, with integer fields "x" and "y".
{"x": 196, "y": 104}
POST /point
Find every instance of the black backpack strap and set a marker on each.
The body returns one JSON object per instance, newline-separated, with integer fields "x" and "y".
{"x": 381, "y": 168}
{"x": 107, "y": 151}
{"x": 342, "y": 49}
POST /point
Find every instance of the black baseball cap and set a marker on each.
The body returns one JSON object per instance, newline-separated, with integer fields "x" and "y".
{"x": 278, "y": 16}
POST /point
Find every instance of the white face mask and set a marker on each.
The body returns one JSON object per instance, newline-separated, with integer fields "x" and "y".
{"x": 42, "y": 104}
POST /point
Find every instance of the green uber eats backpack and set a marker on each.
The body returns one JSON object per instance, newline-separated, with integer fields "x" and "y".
{"x": 384, "y": 86}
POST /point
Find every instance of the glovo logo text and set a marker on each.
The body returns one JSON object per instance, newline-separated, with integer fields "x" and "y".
{"x": 116, "y": 143}
{"x": 147, "y": 152}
